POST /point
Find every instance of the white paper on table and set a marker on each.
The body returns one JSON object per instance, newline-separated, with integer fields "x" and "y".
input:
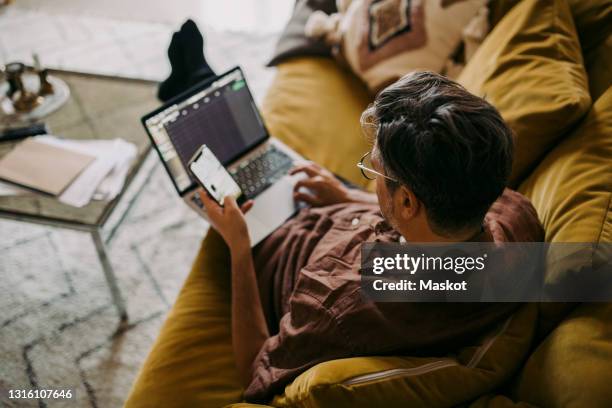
{"x": 105, "y": 176}
{"x": 111, "y": 186}
{"x": 110, "y": 155}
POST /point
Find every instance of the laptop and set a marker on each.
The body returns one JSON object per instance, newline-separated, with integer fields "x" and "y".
{"x": 222, "y": 114}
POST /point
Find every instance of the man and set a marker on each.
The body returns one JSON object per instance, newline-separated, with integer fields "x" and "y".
{"x": 441, "y": 158}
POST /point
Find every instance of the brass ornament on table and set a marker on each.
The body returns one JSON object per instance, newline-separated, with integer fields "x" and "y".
{"x": 45, "y": 87}
{"x": 23, "y": 99}
{"x": 26, "y": 101}
{"x": 29, "y": 93}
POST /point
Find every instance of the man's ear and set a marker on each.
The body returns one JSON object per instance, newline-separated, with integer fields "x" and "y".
{"x": 406, "y": 204}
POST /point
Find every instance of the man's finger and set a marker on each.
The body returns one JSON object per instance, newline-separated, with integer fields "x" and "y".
{"x": 230, "y": 204}
{"x": 307, "y": 183}
{"x": 318, "y": 180}
{"x": 210, "y": 204}
{"x": 309, "y": 168}
{"x": 247, "y": 206}
{"x": 305, "y": 197}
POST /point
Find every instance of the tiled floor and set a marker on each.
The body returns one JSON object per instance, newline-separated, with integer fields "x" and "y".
{"x": 57, "y": 323}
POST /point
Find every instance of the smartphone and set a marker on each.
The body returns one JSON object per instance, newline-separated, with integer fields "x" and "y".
{"x": 214, "y": 177}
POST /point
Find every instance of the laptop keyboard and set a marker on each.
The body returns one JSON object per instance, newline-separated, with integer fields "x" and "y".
{"x": 258, "y": 173}
{"x": 261, "y": 171}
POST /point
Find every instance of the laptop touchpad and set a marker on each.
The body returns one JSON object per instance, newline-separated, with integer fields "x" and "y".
{"x": 272, "y": 208}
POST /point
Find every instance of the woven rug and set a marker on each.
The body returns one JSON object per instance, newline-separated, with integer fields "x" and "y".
{"x": 58, "y": 322}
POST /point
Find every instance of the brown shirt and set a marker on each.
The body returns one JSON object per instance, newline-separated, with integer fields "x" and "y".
{"x": 308, "y": 275}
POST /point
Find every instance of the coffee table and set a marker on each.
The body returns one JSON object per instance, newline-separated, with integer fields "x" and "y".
{"x": 99, "y": 108}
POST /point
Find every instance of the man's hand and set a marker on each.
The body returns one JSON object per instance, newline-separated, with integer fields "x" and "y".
{"x": 325, "y": 188}
{"x": 228, "y": 220}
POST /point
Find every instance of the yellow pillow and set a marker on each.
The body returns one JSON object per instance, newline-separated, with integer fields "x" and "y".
{"x": 530, "y": 67}
{"x": 417, "y": 381}
{"x": 572, "y": 188}
{"x": 598, "y": 63}
{"x": 593, "y": 19}
{"x": 571, "y": 368}
{"x": 572, "y": 192}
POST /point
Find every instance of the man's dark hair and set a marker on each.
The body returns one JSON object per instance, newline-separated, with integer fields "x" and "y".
{"x": 451, "y": 148}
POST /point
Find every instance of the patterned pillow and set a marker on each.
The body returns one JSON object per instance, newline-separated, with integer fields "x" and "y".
{"x": 382, "y": 40}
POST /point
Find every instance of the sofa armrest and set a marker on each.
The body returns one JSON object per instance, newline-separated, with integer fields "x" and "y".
{"x": 418, "y": 381}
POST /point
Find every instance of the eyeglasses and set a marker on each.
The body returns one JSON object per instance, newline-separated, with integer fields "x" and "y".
{"x": 365, "y": 165}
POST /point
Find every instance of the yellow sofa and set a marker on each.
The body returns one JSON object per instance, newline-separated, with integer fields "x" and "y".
{"x": 550, "y": 355}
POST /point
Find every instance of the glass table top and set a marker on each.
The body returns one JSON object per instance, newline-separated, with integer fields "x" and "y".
{"x": 99, "y": 108}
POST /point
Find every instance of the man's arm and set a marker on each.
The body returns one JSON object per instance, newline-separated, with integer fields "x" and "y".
{"x": 249, "y": 328}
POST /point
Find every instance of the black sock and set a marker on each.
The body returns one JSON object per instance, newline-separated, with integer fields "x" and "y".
{"x": 172, "y": 85}
{"x": 192, "y": 43}
{"x": 189, "y": 66}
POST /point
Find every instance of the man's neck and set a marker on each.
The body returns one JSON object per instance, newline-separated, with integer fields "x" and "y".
{"x": 427, "y": 235}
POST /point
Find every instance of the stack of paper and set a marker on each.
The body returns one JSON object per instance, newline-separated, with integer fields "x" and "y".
{"x": 102, "y": 179}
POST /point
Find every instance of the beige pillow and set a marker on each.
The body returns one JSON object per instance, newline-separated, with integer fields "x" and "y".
{"x": 382, "y": 40}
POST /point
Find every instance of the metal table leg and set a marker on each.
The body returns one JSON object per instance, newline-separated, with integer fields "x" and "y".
{"x": 111, "y": 279}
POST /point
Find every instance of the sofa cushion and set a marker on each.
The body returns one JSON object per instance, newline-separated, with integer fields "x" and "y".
{"x": 417, "y": 381}
{"x": 191, "y": 364}
{"x": 314, "y": 106}
{"x": 598, "y": 63}
{"x": 572, "y": 191}
{"x": 571, "y": 368}
{"x": 593, "y": 19}
{"x": 572, "y": 188}
{"x": 530, "y": 67}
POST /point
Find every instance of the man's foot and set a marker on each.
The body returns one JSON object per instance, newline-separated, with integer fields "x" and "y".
{"x": 189, "y": 66}
{"x": 174, "y": 83}
{"x": 193, "y": 54}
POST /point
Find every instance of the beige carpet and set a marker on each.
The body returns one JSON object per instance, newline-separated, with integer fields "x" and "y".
{"x": 58, "y": 322}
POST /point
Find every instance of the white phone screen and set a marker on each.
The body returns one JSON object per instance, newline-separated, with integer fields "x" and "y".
{"x": 214, "y": 177}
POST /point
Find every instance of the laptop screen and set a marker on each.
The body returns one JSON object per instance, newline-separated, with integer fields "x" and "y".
{"x": 221, "y": 115}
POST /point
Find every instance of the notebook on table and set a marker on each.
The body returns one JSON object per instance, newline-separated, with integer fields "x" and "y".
{"x": 42, "y": 167}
